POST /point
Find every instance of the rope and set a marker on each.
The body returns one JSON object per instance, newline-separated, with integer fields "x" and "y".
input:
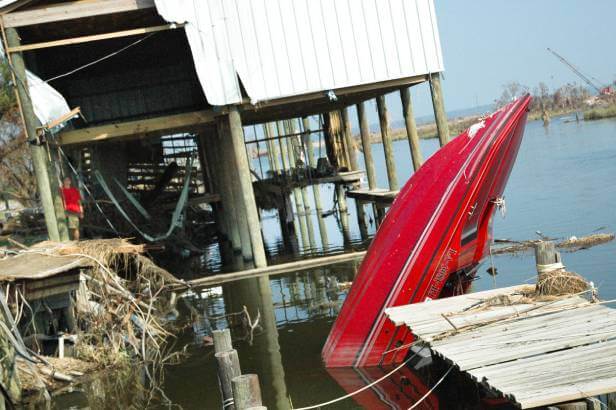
{"x": 429, "y": 392}
{"x": 98, "y": 60}
{"x": 346, "y": 396}
{"x": 501, "y": 205}
{"x": 550, "y": 267}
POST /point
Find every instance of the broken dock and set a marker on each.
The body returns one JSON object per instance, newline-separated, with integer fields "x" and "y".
{"x": 531, "y": 351}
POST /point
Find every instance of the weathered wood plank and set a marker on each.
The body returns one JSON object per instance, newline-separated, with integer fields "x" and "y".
{"x": 272, "y": 270}
{"x": 73, "y": 10}
{"x": 138, "y": 128}
{"x": 95, "y": 37}
{"x": 535, "y": 353}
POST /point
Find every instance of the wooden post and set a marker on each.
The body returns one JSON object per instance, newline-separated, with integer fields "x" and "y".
{"x": 222, "y": 340}
{"x": 245, "y": 182}
{"x": 238, "y": 226}
{"x": 411, "y": 127}
{"x": 364, "y": 132}
{"x": 438, "y": 105}
{"x": 348, "y": 140}
{"x": 39, "y": 157}
{"x": 228, "y": 364}
{"x": 246, "y": 391}
{"x": 209, "y": 159}
{"x": 300, "y": 210}
{"x": 304, "y": 190}
{"x": 350, "y": 144}
{"x": 283, "y": 146}
{"x": 390, "y": 163}
{"x": 312, "y": 162}
{"x": 271, "y": 146}
{"x": 547, "y": 257}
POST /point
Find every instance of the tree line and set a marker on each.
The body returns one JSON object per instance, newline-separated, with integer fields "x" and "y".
{"x": 568, "y": 97}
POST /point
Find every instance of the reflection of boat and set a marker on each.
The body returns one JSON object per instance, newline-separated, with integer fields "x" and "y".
{"x": 399, "y": 391}
{"x": 432, "y": 239}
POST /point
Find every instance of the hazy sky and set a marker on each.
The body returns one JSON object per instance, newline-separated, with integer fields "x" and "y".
{"x": 487, "y": 43}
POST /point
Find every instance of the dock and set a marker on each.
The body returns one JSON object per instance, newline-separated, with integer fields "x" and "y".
{"x": 40, "y": 276}
{"x": 531, "y": 352}
{"x": 382, "y": 197}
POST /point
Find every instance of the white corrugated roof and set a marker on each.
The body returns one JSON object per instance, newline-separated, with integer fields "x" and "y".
{"x": 281, "y": 48}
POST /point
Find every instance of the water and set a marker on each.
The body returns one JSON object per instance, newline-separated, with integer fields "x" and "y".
{"x": 561, "y": 185}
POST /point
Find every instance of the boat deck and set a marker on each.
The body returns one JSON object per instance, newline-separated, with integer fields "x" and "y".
{"x": 534, "y": 353}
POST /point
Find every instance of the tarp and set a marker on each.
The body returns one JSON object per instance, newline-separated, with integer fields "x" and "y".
{"x": 280, "y": 48}
{"x": 48, "y": 103}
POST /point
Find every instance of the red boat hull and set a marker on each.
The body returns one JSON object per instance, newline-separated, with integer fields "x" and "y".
{"x": 429, "y": 245}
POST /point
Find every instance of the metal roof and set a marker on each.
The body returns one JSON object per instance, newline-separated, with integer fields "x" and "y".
{"x": 281, "y": 48}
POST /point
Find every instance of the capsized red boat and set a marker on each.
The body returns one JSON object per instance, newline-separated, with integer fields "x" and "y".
{"x": 432, "y": 240}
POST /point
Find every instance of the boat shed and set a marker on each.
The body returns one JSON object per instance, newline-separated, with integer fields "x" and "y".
{"x": 156, "y": 105}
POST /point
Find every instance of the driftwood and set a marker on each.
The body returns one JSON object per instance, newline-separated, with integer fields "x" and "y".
{"x": 571, "y": 244}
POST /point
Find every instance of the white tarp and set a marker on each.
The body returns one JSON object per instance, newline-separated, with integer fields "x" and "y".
{"x": 281, "y": 48}
{"x": 48, "y": 103}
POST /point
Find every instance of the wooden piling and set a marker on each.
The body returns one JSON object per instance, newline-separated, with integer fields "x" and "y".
{"x": 390, "y": 163}
{"x": 228, "y": 364}
{"x": 438, "y": 104}
{"x": 352, "y": 154}
{"x": 300, "y": 209}
{"x": 222, "y": 340}
{"x": 411, "y": 127}
{"x": 39, "y": 157}
{"x": 316, "y": 192}
{"x": 246, "y": 391}
{"x": 547, "y": 257}
{"x": 348, "y": 139}
{"x": 364, "y": 132}
{"x": 241, "y": 239}
{"x": 245, "y": 181}
{"x": 271, "y": 147}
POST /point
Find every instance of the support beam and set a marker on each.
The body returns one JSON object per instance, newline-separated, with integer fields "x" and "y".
{"x": 312, "y": 161}
{"x": 73, "y": 10}
{"x": 388, "y": 149}
{"x": 348, "y": 139}
{"x": 411, "y": 127}
{"x": 245, "y": 180}
{"x": 95, "y": 37}
{"x": 138, "y": 128}
{"x": 438, "y": 105}
{"x": 237, "y": 212}
{"x": 364, "y": 131}
{"x": 39, "y": 157}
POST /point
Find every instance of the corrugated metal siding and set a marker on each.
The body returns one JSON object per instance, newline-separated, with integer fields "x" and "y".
{"x": 282, "y": 48}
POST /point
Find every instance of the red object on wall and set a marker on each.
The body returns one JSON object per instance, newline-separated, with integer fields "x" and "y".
{"x": 432, "y": 240}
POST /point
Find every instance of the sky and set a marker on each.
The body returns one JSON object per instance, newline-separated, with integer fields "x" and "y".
{"x": 488, "y": 43}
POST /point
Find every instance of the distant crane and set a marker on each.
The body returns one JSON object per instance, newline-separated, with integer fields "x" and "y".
{"x": 601, "y": 89}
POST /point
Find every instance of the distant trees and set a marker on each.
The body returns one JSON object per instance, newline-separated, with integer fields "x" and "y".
{"x": 567, "y": 97}
{"x": 17, "y": 179}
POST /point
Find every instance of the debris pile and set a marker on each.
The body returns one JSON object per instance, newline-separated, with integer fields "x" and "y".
{"x": 119, "y": 312}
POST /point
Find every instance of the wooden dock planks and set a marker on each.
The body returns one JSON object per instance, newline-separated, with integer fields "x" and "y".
{"x": 533, "y": 352}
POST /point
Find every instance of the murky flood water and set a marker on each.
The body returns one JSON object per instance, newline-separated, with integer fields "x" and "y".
{"x": 562, "y": 185}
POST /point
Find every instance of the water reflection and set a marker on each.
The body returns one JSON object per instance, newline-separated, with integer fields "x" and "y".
{"x": 568, "y": 173}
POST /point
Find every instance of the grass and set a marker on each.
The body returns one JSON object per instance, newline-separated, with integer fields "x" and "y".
{"x": 601, "y": 112}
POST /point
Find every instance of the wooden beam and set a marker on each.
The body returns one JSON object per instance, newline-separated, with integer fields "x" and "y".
{"x": 73, "y": 10}
{"x": 152, "y": 126}
{"x": 321, "y": 95}
{"x": 270, "y": 270}
{"x": 95, "y": 37}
